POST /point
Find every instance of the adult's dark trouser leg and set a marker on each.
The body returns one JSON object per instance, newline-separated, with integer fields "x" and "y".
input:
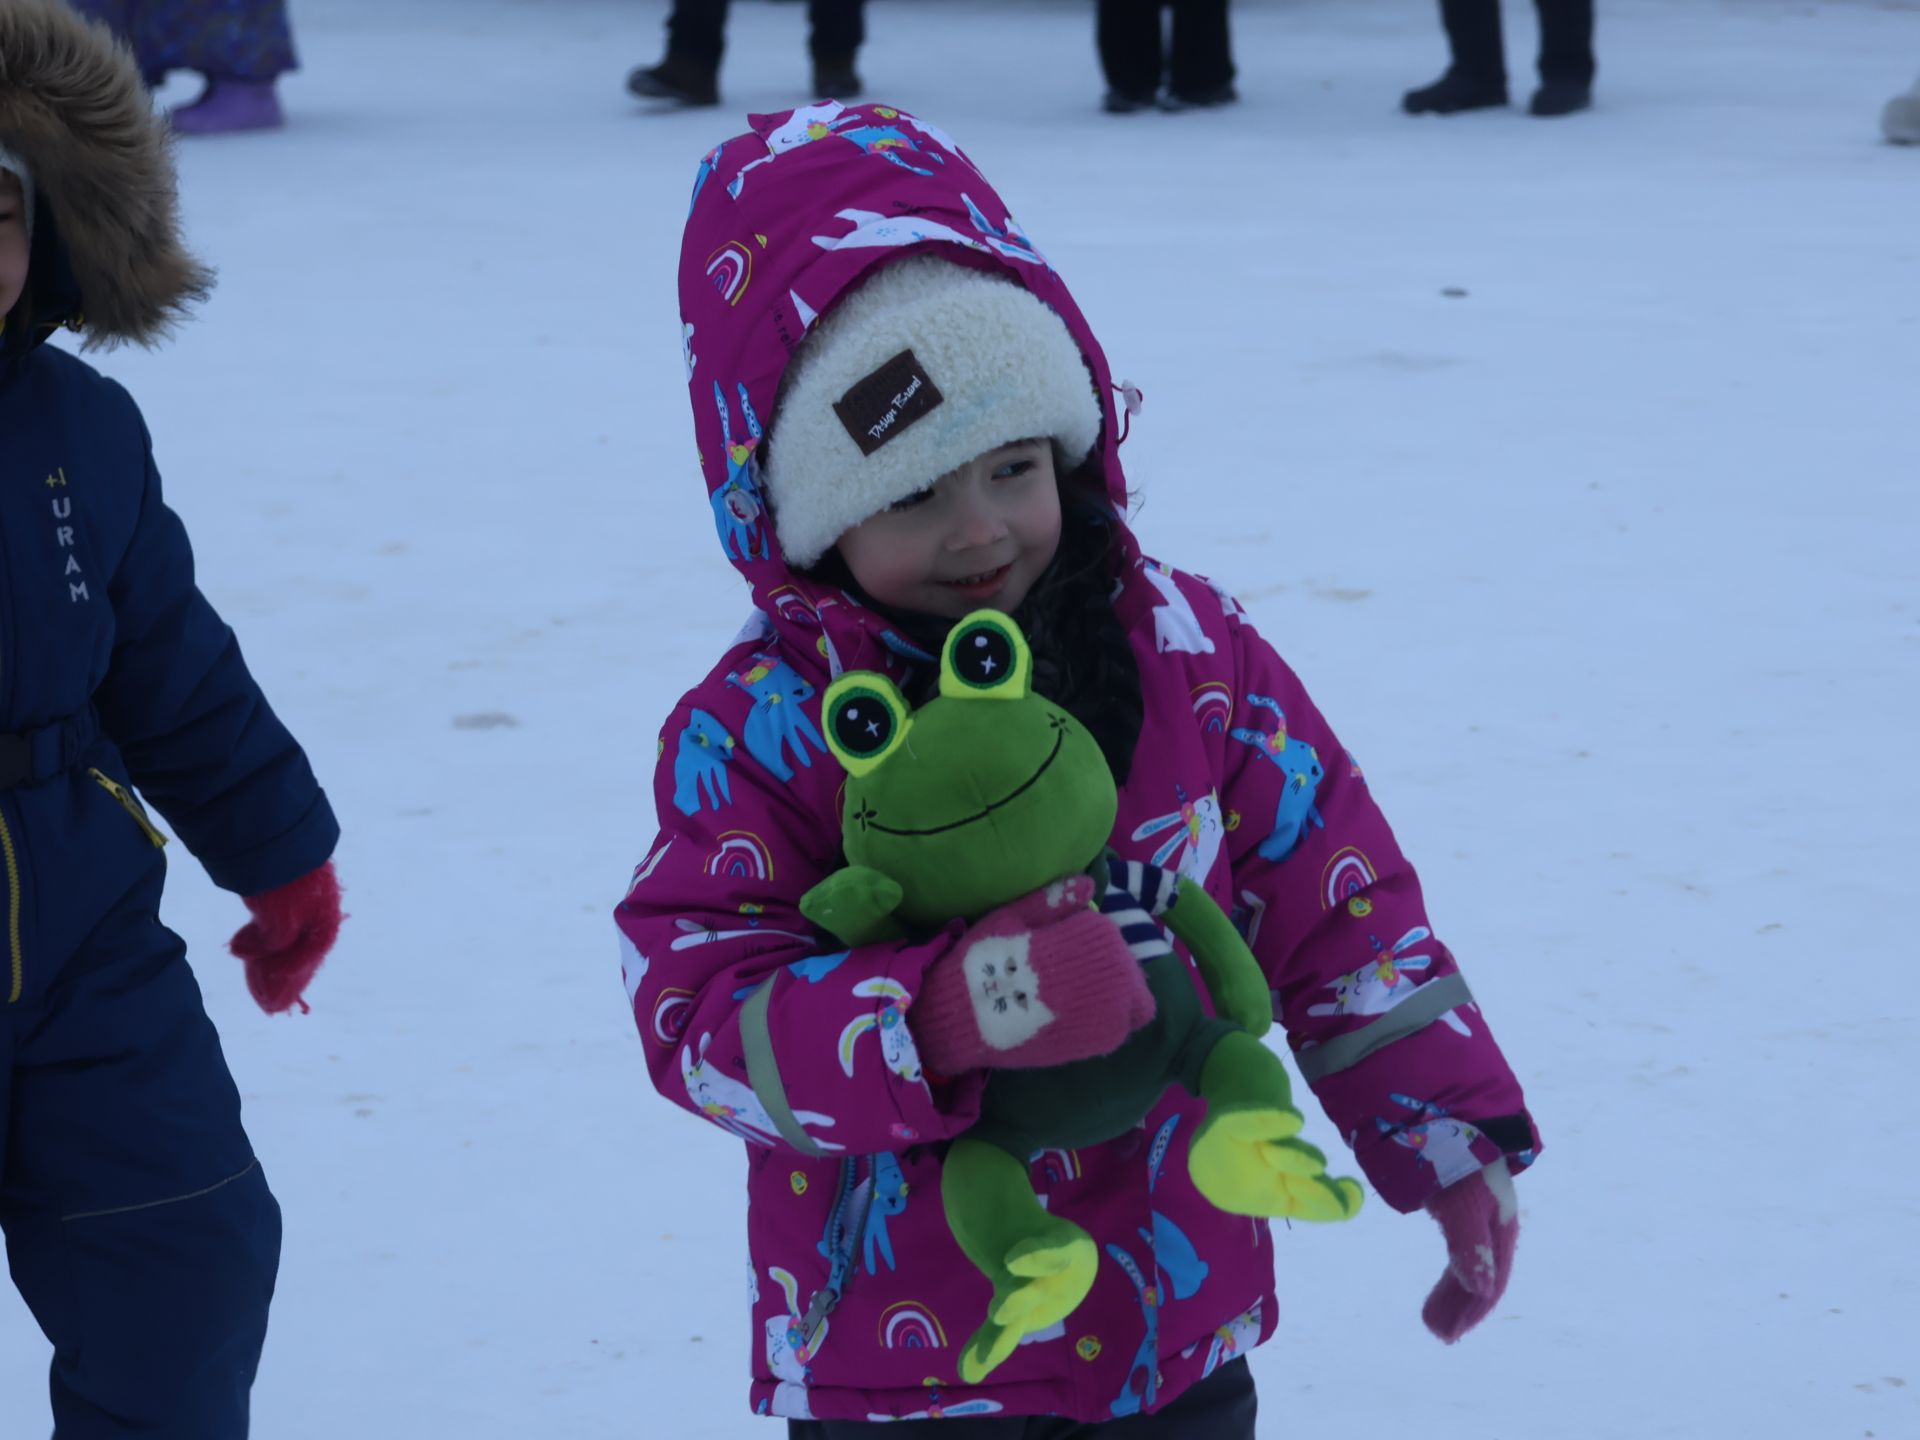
{"x": 139, "y": 1227}
{"x": 697, "y": 30}
{"x": 837, "y": 29}
{"x": 1202, "y": 49}
{"x": 1473, "y": 35}
{"x": 1566, "y": 40}
{"x": 1131, "y": 54}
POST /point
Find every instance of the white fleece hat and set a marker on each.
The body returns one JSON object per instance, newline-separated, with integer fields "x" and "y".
{"x": 12, "y": 162}
{"x": 923, "y": 367}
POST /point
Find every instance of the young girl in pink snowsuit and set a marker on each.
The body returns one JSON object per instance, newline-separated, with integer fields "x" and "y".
{"x": 903, "y": 417}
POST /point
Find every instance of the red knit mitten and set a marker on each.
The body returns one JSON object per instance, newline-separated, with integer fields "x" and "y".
{"x": 1039, "y": 982}
{"x": 1480, "y": 1218}
{"x": 292, "y": 930}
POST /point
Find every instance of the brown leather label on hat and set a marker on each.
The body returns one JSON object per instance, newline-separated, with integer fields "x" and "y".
{"x": 889, "y": 400}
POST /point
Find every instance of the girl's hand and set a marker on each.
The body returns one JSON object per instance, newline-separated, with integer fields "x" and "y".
{"x": 1480, "y": 1218}
{"x": 291, "y": 932}
{"x": 1041, "y": 981}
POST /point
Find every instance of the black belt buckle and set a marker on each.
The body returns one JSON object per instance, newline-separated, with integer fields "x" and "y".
{"x": 16, "y": 760}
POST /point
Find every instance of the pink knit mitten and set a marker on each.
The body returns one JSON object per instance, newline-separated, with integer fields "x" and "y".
{"x": 1480, "y": 1218}
{"x": 292, "y": 929}
{"x": 1039, "y": 982}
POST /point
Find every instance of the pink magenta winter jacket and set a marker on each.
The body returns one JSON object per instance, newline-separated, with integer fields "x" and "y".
{"x": 772, "y": 1032}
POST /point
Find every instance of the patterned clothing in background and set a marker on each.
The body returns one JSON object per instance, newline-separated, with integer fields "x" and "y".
{"x": 222, "y": 39}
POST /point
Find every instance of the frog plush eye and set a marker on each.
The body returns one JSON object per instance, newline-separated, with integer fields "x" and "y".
{"x": 866, "y": 720}
{"x": 986, "y": 659}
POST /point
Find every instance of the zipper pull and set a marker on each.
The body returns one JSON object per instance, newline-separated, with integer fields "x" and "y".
{"x": 815, "y": 1320}
{"x": 129, "y": 804}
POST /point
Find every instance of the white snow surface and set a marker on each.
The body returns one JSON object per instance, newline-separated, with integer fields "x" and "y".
{"x": 1605, "y": 568}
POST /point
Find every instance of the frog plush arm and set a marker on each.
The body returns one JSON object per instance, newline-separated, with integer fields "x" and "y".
{"x": 1233, "y": 977}
{"x": 856, "y": 904}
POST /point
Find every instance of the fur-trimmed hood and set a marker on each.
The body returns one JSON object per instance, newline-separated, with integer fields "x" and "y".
{"x": 72, "y": 105}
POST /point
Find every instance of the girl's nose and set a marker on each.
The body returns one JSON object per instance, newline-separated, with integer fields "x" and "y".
{"x": 976, "y": 522}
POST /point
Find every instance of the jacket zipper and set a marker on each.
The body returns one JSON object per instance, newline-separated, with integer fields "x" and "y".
{"x": 837, "y": 1286}
{"x": 130, "y": 805}
{"x": 13, "y": 911}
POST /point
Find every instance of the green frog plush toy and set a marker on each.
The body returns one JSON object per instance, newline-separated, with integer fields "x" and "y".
{"x": 992, "y": 806}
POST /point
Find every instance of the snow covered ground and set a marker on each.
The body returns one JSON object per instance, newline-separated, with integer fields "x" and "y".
{"x": 1633, "y": 520}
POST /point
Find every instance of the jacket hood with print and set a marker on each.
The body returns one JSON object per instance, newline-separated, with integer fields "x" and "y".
{"x": 780, "y": 229}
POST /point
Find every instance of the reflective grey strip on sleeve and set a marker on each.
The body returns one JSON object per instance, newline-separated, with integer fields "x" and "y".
{"x": 763, "y": 1071}
{"x": 1419, "y": 1010}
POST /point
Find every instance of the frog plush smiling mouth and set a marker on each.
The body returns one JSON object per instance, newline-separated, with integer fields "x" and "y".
{"x": 990, "y": 800}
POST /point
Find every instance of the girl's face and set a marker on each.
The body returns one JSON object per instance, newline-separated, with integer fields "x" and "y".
{"x": 13, "y": 241}
{"x": 979, "y": 535}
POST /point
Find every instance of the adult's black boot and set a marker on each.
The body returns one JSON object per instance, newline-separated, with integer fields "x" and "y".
{"x": 1566, "y": 57}
{"x": 1561, "y": 97}
{"x": 676, "y": 78}
{"x": 1211, "y": 98}
{"x": 1476, "y": 79}
{"x": 834, "y": 78}
{"x": 1453, "y": 92}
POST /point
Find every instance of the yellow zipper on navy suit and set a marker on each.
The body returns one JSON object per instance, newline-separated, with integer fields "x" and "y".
{"x": 129, "y": 804}
{"x": 13, "y": 910}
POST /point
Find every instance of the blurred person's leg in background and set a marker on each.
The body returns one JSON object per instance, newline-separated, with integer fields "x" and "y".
{"x": 838, "y": 31}
{"x": 697, "y": 39}
{"x": 1900, "y": 120}
{"x": 242, "y": 47}
{"x": 1128, "y": 35}
{"x": 1202, "y": 70}
{"x": 1476, "y": 76}
{"x": 690, "y": 72}
{"x": 1566, "y": 57}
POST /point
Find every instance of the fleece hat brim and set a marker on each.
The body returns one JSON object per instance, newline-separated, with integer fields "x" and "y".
{"x": 923, "y": 367}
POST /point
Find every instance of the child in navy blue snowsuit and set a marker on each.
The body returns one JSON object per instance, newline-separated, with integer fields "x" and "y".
{"x": 139, "y": 1227}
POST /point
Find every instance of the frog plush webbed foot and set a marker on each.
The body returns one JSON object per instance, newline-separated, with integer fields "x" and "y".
{"x": 1248, "y": 1162}
{"x": 1041, "y": 1266}
{"x": 1043, "y": 1281}
{"x": 1246, "y": 1156}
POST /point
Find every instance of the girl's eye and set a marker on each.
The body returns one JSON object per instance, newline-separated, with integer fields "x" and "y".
{"x": 1013, "y": 470}
{"x": 913, "y": 501}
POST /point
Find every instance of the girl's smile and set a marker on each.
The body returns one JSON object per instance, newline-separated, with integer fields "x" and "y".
{"x": 980, "y": 534}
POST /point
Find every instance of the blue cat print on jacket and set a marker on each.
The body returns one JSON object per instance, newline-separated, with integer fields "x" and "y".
{"x": 709, "y": 164}
{"x": 739, "y": 509}
{"x": 778, "y": 718}
{"x": 889, "y": 1190}
{"x": 1143, "y": 1380}
{"x": 700, "y": 765}
{"x": 1300, "y": 763}
{"x": 1174, "y": 1254}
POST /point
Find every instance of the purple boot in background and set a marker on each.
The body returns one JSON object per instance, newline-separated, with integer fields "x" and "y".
{"x": 241, "y": 46}
{"x": 228, "y": 107}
